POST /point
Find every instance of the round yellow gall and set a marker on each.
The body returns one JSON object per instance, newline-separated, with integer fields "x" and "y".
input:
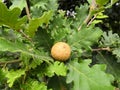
{"x": 61, "y": 51}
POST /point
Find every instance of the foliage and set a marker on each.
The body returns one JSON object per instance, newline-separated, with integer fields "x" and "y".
{"x": 86, "y": 78}
{"x": 26, "y": 41}
{"x": 79, "y": 39}
{"x": 111, "y": 62}
{"x": 35, "y": 23}
{"x": 16, "y": 74}
{"x": 34, "y": 85}
{"x": 20, "y": 4}
{"x": 113, "y": 41}
{"x": 13, "y": 20}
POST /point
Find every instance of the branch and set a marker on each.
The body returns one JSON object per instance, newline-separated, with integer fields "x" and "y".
{"x": 27, "y": 37}
{"x": 93, "y": 6}
{"x": 102, "y": 49}
{"x": 91, "y": 20}
{"x": 27, "y": 11}
{"x": 85, "y": 21}
{"x": 12, "y": 61}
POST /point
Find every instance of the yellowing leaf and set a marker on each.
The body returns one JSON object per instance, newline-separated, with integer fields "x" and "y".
{"x": 34, "y": 85}
{"x": 13, "y": 75}
{"x": 57, "y": 68}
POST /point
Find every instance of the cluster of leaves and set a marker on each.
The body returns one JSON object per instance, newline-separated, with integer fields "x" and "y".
{"x": 113, "y": 41}
{"x": 112, "y": 22}
{"x": 30, "y": 38}
{"x": 112, "y": 57}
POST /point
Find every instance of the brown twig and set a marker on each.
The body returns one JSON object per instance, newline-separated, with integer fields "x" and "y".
{"x": 91, "y": 20}
{"x": 93, "y": 6}
{"x": 27, "y": 37}
{"x": 85, "y": 21}
{"x": 27, "y": 11}
{"x": 102, "y": 49}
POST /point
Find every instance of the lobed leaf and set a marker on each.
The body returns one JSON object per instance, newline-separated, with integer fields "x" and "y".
{"x": 18, "y": 3}
{"x": 11, "y": 18}
{"x": 116, "y": 52}
{"x": 110, "y": 39}
{"x": 38, "y": 7}
{"x": 59, "y": 27}
{"x": 17, "y": 46}
{"x": 113, "y": 66}
{"x": 80, "y": 16}
{"x": 57, "y": 83}
{"x": 101, "y": 2}
{"x": 26, "y": 54}
{"x": 43, "y": 40}
{"x": 13, "y": 76}
{"x": 84, "y": 38}
{"x": 35, "y": 23}
{"x": 32, "y": 84}
{"x": 57, "y": 68}
{"x": 89, "y": 78}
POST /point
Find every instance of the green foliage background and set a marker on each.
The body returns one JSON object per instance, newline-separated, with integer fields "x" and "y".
{"x": 26, "y": 41}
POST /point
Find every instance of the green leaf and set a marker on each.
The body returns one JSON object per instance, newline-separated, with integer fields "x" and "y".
{"x": 2, "y": 75}
{"x": 57, "y": 83}
{"x": 59, "y": 27}
{"x": 116, "y": 52}
{"x": 32, "y": 84}
{"x": 51, "y": 69}
{"x": 89, "y": 1}
{"x": 84, "y": 38}
{"x": 13, "y": 76}
{"x": 101, "y": 16}
{"x": 17, "y": 46}
{"x": 45, "y": 42}
{"x": 110, "y": 40}
{"x": 52, "y": 5}
{"x": 18, "y": 3}
{"x": 26, "y": 58}
{"x": 38, "y": 7}
{"x": 113, "y": 66}
{"x": 102, "y": 2}
{"x": 97, "y": 22}
{"x": 35, "y": 23}
{"x": 11, "y": 18}
{"x": 113, "y": 2}
{"x": 89, "y": 78}
{"x": 57, "y": 68}
{"x": 80, "y": 16}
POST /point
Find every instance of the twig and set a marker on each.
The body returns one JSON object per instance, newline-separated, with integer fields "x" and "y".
{"x": 102, "y": 49}
{"x": 93, "y": 6}
{"x": 92, "y": 20}
{"x": 27, "y": 37}
{"x": 117, "y": 89}
{"x": 85, "y": 21}
{"x": 27, "y": 11}
{"x": 12, "y": 61}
